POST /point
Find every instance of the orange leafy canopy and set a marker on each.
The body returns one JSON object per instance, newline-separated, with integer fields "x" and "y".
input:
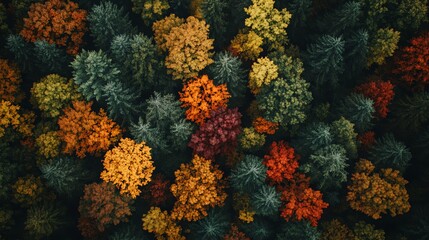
{"x": 198, "y": 186}
{"x": 376, "y": 193}
{"x": 10, "y": 79}
{"x": 201, "y": 97}
{"x": 261, "y": 125}
{"x": 281, "y": 162}
{"x": 85, "y": 131}
{"x": 56, "y": 21}
{"x": 380, "y": 92}
{"x": 128, "y": 166}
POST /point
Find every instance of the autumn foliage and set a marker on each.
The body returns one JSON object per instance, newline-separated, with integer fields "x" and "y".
{"x": 218, "y": 134}
{"x": 261, "y": 125}
{"x": 197, "y": 187}
{"x": 10, "y": 80}
{"x": 281, "y": 162}
{"x": 377, "y": 193}
{"x": 160, "y": 223}
{"x": 86, "y": 132}
{"x": 200, "y": 96}
{"x": 412, "y": 64}
{"x": 157, "y": 192}
{"x": 56, "y": 21}
{"x": 380, "y": 92}
{"x": 128, "y": 166}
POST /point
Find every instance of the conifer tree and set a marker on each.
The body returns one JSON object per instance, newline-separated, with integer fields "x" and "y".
{"x": 300, "y": 10}
{"x": 313, "y": 137}
{"x": 21, "y": 50}
{"x": 266, "y": 200}
{"x": 260, "y": 229}
{"x": 387, "y": 152}
{"x": 42, "y": 221}
{"x": 249, "y": 174}
{"x": 301, "y": 230}
{"x": 341, "y": 19}
{"x": 356, "y": 51}
{"x": 359, "y": 110}
{"x": 412, "y": 112}
{"x": 50, "y": 58}
{"x": 345, "y": 135}
{"x": 215, "y": 14}
{"x": 212, "y": 227}
{"x": 121, "y": 101}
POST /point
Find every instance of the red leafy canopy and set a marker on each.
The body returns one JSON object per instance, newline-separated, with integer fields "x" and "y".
{"x": 281, "y": 162}
{"x": 218, "y": 134}
{"x": 380, "y": 92}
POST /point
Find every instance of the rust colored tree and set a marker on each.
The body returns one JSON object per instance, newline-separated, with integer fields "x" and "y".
{"x": 57, "y": 22}
{"x": 10, "y": 80}
{"x": 281, "y": 162}
{"x": 157, "y": 191}
{"x": 86, "y": 132}
{"x": 380, "y": 92}
{"x": 261, "y": 125}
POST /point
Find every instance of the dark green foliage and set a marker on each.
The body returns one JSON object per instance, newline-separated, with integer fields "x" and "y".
{"x": 230, "y": 70}
{"x": 249, "y": 174}
{"x": 356, "y": 51}
{"x": 107, "y": 20}
{"x": 65, "y": 175}
{"x": 163, "y": 126}
{"x": 21, "y": 50}
{"x": 411, "y": 113}
{"x": 214, "y": 13}
{"x": 259, "y": 229}
{"x": 409, "y": 14}
{"x": 6, "y": 219}
{"x": 121, "y": 101}
{"x": 301, "y": 230}
{"x": 43, "y": 220}
{"x": 50, "y": 58}
{"x": 387, "y": 152}
{"x": 212, "y": 227}
{"x": 92, "y": 71}
{"x": 359, "y": 110}
{"x": 342, "y": 19}
{"x": 327, "y": 166}
{"x": 8, "y": 170}
{"x": 3, "y": 24}
{"x": 313, "y": 137}
{"x": 345, "y": 135}
{"x": 121, "y": 52}
{"x": 129, "y": 231}
{"x": 324, "y": 60}
{"x": 300, "y": 10}
{"x": 266, "y": 200}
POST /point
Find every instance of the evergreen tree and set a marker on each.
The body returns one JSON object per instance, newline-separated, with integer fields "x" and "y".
{"x": 266, "y": 200}
{"x": 344, "y": 18}
{"x": 259, "y": 229}
{"x": 50, "y": 58}
{"x": 121, "y": 53}
{"x": 130, "y": 231}
{"x": 107, "y": 20}
{"x": 212, "y": 227}
{"x": 359, "y": 110}
{"x": 387, "y": 152}
{"x": 356, "y": 52}
{"x": 412, "y": 112}
{"x": 214, "y": 12}
{"x": 301, "y": 230}
{"x": 92, "y": 71}
{"x": 121, "y": 101}
{"x": 21, "y": 50}
{"x": 65, "y": 175}
{"x": 43, "y": 220}
{"x": 249, "y": 174}
{"x": 300, "y": 10}
{"x": 313, "y": 137}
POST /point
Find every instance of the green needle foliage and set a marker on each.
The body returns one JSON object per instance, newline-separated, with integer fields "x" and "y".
{"x": 121, "y": 101}
{"x": 212, "y": 227}
{"x": 259, "y": 229}
{"x": 313, "y": 137}
{"x": 50, "y": 58}
{"x": 43, "y": 220}
{"x": 359, "y": 110}
{"x": 344, "y": 18}
{"x": 21, "y": 50}
{"x": 266, "y": 200}
{"x": 412, "y": 112}
{"x": 249, "y": 174}
{"x": 300, "y": 10}
{"x": 107, "y": 20}
{"x": 214, "y": 12}
{"x": 301, "y": 230}
{"x": 387, "y": 152}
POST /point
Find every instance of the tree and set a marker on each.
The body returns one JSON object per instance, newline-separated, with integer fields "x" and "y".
{"x": 247, "y": 45}
{"x": 412, "y": 61}
{"x": 298, "y": 230}
{"x": 409, "y": 15}
{"x": 21, "y": 50}
{"x": 92, "y": 71}
{"x": 380, "y": 92}
{"x": 53, "y": 93}
{"x": 235, "y": 234}
{"x": 364, "y": 230}
{"x": 356, "y": 51}
{"x": 262, "y": 73}
{"x": 324, "y": 59}
{"x": 107, "y": 20}
{"x": 387, "y": 152}
{"x": 198, "y": 186}
{"x": 263, "y": 126}
{"x": 128, "y": 166}
{"x": 345, "y": 17}
{"x": 327, "y": 166}
{"x": 150, "y": 11}
{"x": 345, "y": 135}
{"x": 201, "y": 97}
{"x": 103, "y": 203}
{"x": 50, "y": 58}
{"x": 359, "y": 110}
{"x": 56, "y": 22}
{"x": 301, "y": 202}
{"x": 376, "y": 193}
{"x": 281, "y": 162}
{"x": 300, "y": 10}
{"x": 157, "y": 191}
{"x": 28, "y": 190}
{"x": 336, "y": 230}
{"x": 86, "y": 132}
{"x": 9, "y": 116}
{"x": 162, "y": 28}
{"x": 383, "y": 45}
{"x": 3, "y": 24}
{"x": 212, "y": 227}
{"x": 266, "y": 200}
{"x": 43, "y": 220}
{"x": 251, "y": 140}
{"x": 261, "y": 229}
{"x": 374, "y": 13}
{"x": 65, "y": 175}
{"x": 163, "y": 127}
{"x": 121, "y": 101}
{"x": 313, "y": 136}
{"x": 411, "y": 112}
{"x": 214, "y": 13}
{"x": 10, "y": 81}
{"x": 218, "y": 134}
{"x": 268, "y": 22}
{"x": 48, "y": 144}
{"x": 228, "y": 69}
{"x": 161, "y": 224}
{"x": 249, "y": 174}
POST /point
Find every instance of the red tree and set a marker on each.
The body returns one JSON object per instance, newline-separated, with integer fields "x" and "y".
{"x": 218, "y": 134}
{"x": 281, "y": 162}
{"x": 381, "y": 92}
{"x": 157, "y": 192}
{"x": 412, "y": 63}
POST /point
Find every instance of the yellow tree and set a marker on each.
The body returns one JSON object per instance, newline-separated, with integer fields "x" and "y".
{"x": 128, "y": 166}
{"x": 160, "y": 223}
{"x": 262, "y": 73}
{"x": 197, "y": 187}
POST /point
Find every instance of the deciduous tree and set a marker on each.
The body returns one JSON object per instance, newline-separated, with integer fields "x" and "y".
{"x": 10, "y": 81}
{"x": 281, "y": 162}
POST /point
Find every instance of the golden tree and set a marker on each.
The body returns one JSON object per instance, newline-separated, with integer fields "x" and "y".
{"x": 128, "y": 166}
{"x": 247, "y": 45}
{"x": 262, "y": 73}
{"x": 197, "y": 187}
{"x": 160, "y": 223}
{"x": 10, "y": 79}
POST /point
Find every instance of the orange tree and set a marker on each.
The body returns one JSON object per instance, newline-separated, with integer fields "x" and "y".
{"x": 56, "y": 21}
{"x": 10, "y": 79}
{"x": 376, "y": 193}
{"x": 103, "y": 203}
{"x": 198, "y": 186}
{"x": 85, "y": 131}
{"x": 281, "y": 162}
{"x": 201, "y": 97}
{"x": 261, "y": 125}
{"x": 128, "y": 166}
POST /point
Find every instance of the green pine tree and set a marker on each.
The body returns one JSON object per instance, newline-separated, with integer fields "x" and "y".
{"x": 50, "y": 58}
{"x": 42, "y": 221}
{"x": 301, "y": 230}
{"x": 249, "y": 174}
{"x": 212, "y": 227}
{"x": 387, "y": 152}
{"x": 266, "y": 200}
{"x": 359, "y": 110}
{"x": 214, "y": 12}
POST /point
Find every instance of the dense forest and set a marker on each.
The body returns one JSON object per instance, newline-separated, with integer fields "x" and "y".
{"x": 214, "y": 119}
